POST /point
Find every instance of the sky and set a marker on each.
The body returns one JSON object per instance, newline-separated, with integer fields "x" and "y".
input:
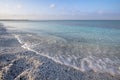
{"x": 60, "y": 9}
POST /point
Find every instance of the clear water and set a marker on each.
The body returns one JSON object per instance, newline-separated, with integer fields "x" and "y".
{"x": 84, "y": 45}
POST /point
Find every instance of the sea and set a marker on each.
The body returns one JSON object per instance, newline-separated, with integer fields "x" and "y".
{"x": 86, "y": 45}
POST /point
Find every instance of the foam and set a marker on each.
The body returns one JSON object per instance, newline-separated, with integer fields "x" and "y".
{"x": 85, "y": 63}
{"x": 100, "y": 65}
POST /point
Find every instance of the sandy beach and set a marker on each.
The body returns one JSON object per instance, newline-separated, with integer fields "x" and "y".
{"x": 17, "y": 63}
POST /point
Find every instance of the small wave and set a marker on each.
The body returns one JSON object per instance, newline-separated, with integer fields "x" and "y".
{"x": 26, "y": 46}
{"x": 101, "y": 65}
{"x": 81, "y": 57}
{"x": 19, "y": 40}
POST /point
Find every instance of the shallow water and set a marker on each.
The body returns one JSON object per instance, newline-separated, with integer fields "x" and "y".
{"x": 84, "y": 45}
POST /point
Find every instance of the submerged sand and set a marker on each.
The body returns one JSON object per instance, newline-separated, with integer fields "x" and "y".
{"x": 17, "y": 63}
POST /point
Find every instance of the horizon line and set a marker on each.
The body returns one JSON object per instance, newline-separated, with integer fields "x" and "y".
{"x": 50, "y": 19}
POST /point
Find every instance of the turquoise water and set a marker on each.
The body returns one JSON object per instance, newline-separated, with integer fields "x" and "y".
{"x": 83, "y": 31}
{"x": 84, "y": 45}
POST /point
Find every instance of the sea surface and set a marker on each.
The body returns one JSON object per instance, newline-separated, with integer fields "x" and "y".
{"x": 82, "y": 44}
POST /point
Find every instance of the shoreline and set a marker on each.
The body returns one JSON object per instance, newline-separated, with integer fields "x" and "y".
{"x": 17, "y": 63}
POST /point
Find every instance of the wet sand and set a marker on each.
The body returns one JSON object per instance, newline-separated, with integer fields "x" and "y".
{"x": 17, "y": 63}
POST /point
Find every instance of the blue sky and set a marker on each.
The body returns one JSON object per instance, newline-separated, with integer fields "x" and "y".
{"x": 60, "y": 9}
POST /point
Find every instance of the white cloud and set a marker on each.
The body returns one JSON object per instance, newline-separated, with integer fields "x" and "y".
{"x": 52, "y": 6}
{"x": 6, "y": 5}
{"x": 19, "y": 6}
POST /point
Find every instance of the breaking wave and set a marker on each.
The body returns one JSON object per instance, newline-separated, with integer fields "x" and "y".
{"x": 81, "y": 56}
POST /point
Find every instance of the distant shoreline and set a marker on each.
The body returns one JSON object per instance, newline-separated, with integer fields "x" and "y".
{"x": 14, "y": 20}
